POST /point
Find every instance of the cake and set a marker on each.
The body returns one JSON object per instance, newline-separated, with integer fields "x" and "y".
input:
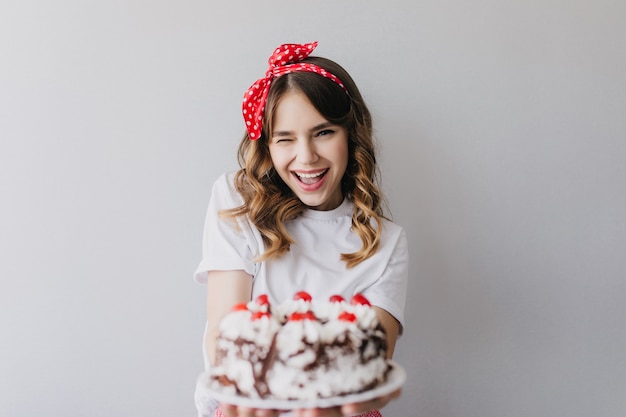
{"x": 300, "y": 349}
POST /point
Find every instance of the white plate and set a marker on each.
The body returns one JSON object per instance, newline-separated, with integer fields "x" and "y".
{"x": 395, "y": 379}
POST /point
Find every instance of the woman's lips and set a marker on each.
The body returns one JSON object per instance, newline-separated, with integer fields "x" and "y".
{"x": 310, "y": 178}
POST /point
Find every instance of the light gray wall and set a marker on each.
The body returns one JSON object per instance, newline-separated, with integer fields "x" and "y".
{"x": 502, "y": 134}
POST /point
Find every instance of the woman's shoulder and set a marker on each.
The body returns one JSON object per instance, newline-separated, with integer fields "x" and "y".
{"x": 225, "y": 179}
{"x": 392, "y": 228}
{"x": 391, "y": 224}
{"x": 224, "y": 190}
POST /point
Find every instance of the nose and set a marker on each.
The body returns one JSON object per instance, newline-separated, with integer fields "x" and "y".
{"x": 306, "y": 152}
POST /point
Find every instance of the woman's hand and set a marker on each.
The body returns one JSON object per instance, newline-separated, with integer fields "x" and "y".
{"x": 230, "y": 410}
{"x": 349, "y": 409}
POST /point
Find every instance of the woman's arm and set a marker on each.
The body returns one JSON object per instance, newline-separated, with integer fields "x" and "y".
{"x": 391, "y": 326}
{"x": 224, "y": 290}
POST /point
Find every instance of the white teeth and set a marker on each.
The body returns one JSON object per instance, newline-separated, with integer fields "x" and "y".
{"x": 303, "y": 175}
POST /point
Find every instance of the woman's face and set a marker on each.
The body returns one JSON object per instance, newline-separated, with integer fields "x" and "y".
{"x": 309, "y": 153}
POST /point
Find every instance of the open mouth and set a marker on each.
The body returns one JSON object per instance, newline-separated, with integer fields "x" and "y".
{"x": 310, "y": 177}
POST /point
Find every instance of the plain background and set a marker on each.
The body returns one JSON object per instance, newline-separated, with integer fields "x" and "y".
{"x": 502, "y": 135}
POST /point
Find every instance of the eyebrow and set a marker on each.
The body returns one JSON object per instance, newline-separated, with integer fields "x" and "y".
{"x": 313, "y": 129}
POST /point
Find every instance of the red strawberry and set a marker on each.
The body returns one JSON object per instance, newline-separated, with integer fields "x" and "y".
{"x": 262, "y": 300}
{"x": 336, "y": 299}
{"x": 302, "y": 295}
{"x": 257, "y": 315}
{"x": 345, "y": 316}
{"x": 359, "y": 299}
{"x": 239, "y": 307}
{"x": 297, "y": 316}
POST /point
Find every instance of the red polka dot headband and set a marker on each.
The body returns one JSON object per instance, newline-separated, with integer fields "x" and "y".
{"x": 285, "y": 59}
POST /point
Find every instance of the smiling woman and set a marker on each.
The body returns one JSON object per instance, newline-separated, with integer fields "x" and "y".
{"x": 309, "y": 154}
{"x": 304, "y": 211}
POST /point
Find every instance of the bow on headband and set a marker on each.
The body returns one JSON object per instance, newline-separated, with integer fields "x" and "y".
{"x": 285, "y": 59}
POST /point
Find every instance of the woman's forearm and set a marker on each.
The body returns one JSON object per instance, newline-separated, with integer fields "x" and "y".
{"x": 224, "y": 290}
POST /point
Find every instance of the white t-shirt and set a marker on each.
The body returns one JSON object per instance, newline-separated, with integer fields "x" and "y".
{"x": 313, "y": 263}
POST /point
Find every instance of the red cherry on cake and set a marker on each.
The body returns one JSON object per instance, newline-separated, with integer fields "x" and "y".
{"x": 240, "y": 307}
{"x": 302, "y": 295}
{"x": 262, "y": 300}
{"x": 336, "y": 299}
{"x": 257, "y": 315}
{"x": 345, "y": 316}
{"x": 359, "y": 299}
{"x": 298, "y": 316}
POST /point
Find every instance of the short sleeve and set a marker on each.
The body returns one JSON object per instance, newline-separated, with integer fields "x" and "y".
{"x": 227, "y": 244}
{"x": 389, "y": 290}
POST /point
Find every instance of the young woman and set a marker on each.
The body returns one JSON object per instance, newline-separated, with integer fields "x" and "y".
{"x": 304, "y": 212}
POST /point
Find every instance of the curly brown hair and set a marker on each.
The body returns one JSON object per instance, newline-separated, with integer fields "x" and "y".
{"x": 268, "y": 201}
